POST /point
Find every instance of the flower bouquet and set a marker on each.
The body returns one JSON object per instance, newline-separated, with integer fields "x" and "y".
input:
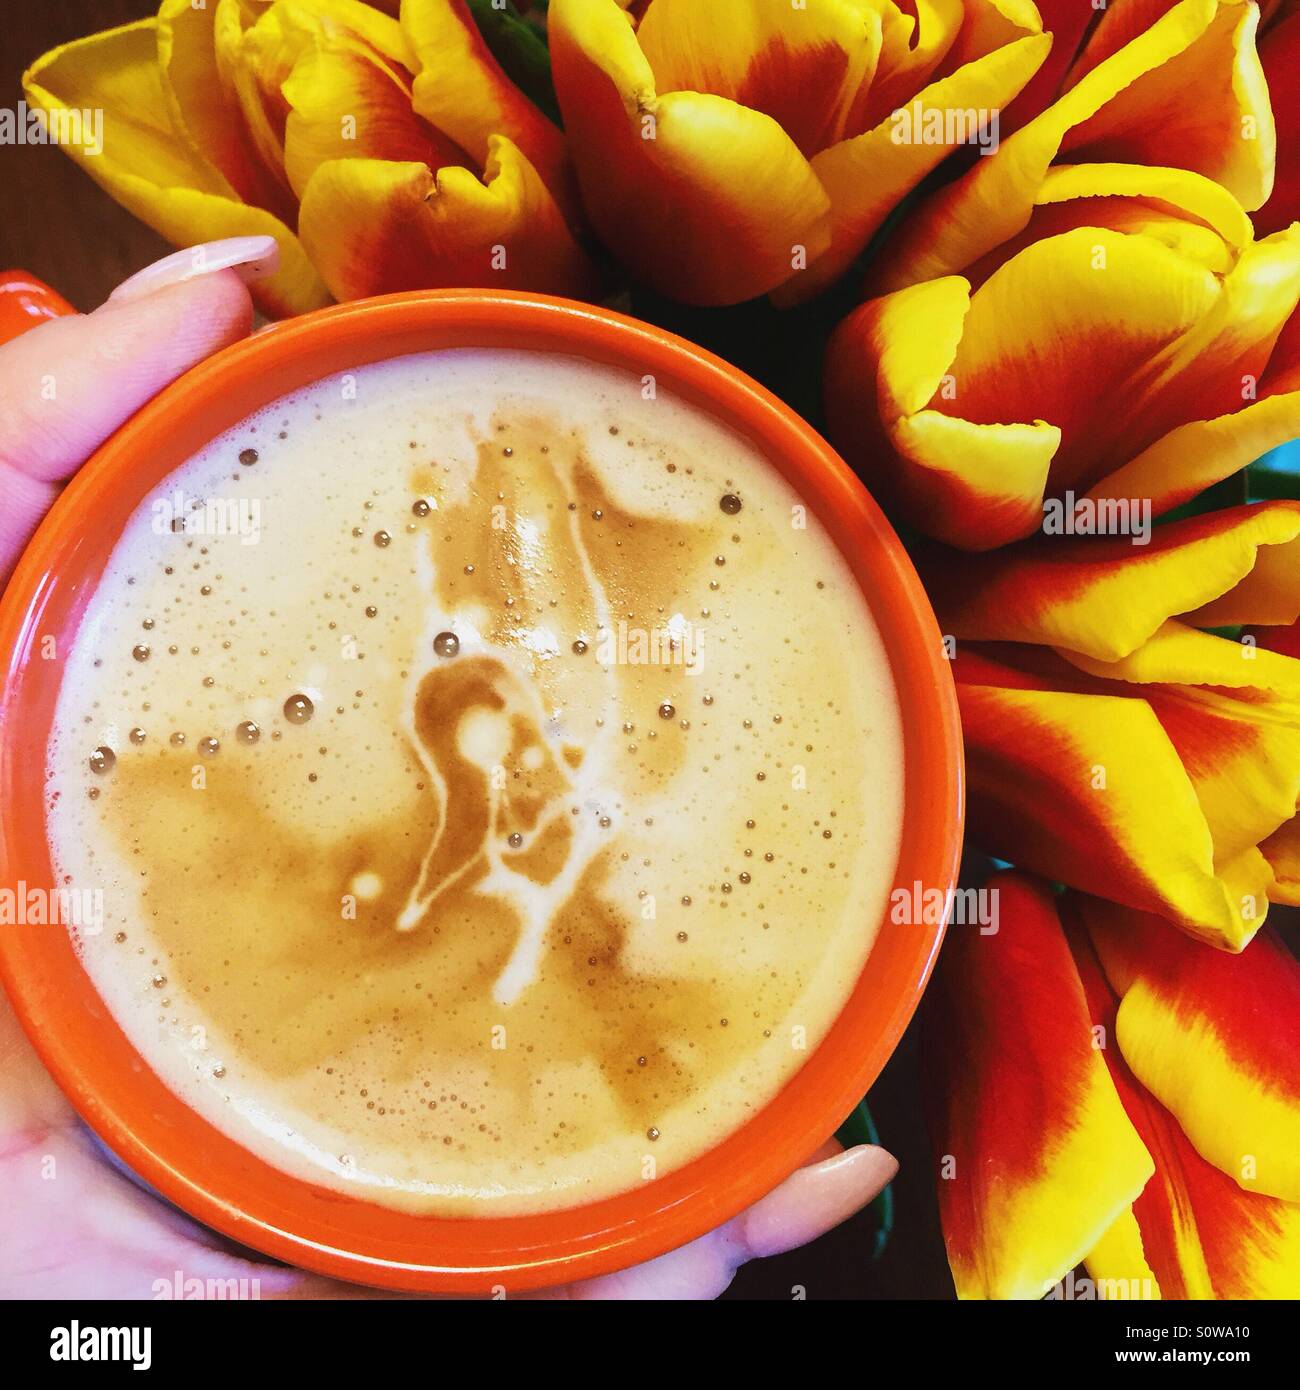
{"x": 1034, "y": 270}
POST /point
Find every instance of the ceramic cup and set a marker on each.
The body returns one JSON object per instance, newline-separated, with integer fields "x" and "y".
{"x": 195, "y": 1165}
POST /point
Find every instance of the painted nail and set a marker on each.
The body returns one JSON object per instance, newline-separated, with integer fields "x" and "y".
{"x": 250, "y": 257}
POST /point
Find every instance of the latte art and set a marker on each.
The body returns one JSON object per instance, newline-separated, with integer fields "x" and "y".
{"x": 505, "y": 822}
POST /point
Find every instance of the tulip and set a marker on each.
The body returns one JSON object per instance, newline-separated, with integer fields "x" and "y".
{"x": 1123, "y": 114}
{"x": 1067, "y": 344}
{"x": 1147, "y": 354}
{"x": 1031, "y": 290}
{"x": 1129, "y": 345}
{"x": 745, "y": 146}
{"x": 1279, "y": 53}
{"x": 1111, "y": 743}
{"x": 380, "y": 155}
{"x": 1101, "y": 1090}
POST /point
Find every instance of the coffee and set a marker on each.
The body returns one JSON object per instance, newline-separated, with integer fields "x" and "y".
{"x": 494, "y": 777}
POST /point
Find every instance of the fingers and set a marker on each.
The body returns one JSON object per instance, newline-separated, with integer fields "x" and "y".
{"x": 67, "y": 384}
{"x": 72, "y": 1228}
{"x": 814, "y": 1200}
{"x": 29, "y": 1099}
{"x": 807, "y": 1204}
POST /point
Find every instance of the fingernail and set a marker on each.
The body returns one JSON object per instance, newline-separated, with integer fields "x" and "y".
{"x": 816, "y": 1198}
{"x": 250, "y": 257}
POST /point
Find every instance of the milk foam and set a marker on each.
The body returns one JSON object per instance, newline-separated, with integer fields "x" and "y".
{"x": 530, "y": 909}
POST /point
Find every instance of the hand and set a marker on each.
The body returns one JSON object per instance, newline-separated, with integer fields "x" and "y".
{"x": 71, "y": 1225}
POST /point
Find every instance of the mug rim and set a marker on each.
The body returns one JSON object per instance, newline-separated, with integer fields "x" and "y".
{"x": 187, "y": 1159}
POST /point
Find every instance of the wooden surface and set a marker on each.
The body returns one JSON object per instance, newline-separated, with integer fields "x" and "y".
{"x": 60, "y": 226}
{"x": 57, "y": 223}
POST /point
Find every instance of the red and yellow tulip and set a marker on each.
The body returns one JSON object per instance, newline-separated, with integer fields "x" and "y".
{"x": 1103, "y": 1091}
{"x": 1113, "y": 744}
{"x": 380, "y": 155}
{"x": 1072, "y": 340}
{"x": 1128, "y": 344}
{"x": 1083, "y": 329}
{"x": 1146, "y": 354}
{"x": 731, "y": 149}
{"x": 1279, "y": 53}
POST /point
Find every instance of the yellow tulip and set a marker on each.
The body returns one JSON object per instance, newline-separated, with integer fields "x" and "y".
{"x": 380, "y": 155}
{"x": 738, "y": 147}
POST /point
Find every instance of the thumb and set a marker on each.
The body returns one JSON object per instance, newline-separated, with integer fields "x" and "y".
{"x": 67, "y": 384}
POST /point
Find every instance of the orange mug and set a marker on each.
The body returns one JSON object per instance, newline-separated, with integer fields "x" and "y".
{"x": 183, "y": 1156}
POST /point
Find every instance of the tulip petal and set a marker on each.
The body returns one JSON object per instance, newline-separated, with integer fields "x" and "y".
{"x": 1068, "y": 23}
{"x": 1086, "y": 317}
{"x": 968, "y": 484}
{"x": 345, "y": 102}
{"x": 1236, "y": 349}
{"x": 1204, "y": 1236}
{"x": 1117, "y": 25}
{"x": 360, "y": 18}
{"x": 1180, "y": 655}
{"x": 1279, "y": 53}
{"x": 1085, "y": 788}
{"x": 1187, "y": 212}
{"x": 255, "y": 52}
{"x": 1268, "y": 595}
{"x": 117, "y": 71}
{"x": 151, "y": 171}
{"x": 1282, "y": 850}
{"x": 204, "y": 113}
{"x": 461, "y": 90}
{"x": 1198, "y": 1235}
{"x": 1227, "y": 133}
{"x": 256, "y": 49}
{"x": 1214, "y": 1038}
{"x": 805, "y": 66}
{"x": 994, "y": 200}
{"x": 945, "y": 34}
{"x": 1117, "y": 1263}
{"x": 1194, "y": 456}
{"x": 1161, "y": 337}
{"x": 868, "y": 175}
{"x": 1104, "y": 597}
{"x": 709, "y": 201}
{"x": 1035, "y": 1155}
{"x": 374, "y": 226}
{"x": 1232, "y": 714}
{"x": 1242, "y": 752}
{"x": 990, "y": 24}
{"x": 1192, "y": 194}
{"x": 1281, "y": 638}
